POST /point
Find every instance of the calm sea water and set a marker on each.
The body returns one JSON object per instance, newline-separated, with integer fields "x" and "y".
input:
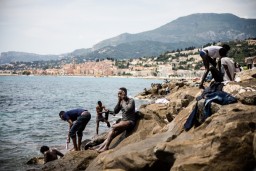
{"x": 29, "y": 108}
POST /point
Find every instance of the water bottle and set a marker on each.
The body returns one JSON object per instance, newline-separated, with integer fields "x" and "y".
{"x": 67, "y": 142}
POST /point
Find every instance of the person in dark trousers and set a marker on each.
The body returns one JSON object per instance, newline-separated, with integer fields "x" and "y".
{"x": 100, "y": 109}
{"x": 209, "y": 55}
{"x": 127, "y": 106}
{"x": 82, "y": 117}
{"x": 50, "y": 154}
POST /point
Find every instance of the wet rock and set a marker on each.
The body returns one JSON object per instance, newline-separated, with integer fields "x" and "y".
{"x": 75, "y": 160}
{"x": 36, "y": 161}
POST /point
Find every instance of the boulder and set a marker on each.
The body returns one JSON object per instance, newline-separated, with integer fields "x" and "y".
{"x": 75, "y": 160}
{"x": 223, "y": 142}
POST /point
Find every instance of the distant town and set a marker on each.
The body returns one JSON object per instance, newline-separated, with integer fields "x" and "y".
{"x": 179, "y": 64}
{"x": 176, "y": 64}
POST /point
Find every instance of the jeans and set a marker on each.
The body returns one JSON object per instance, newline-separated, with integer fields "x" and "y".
{"x": 79, "y": 126}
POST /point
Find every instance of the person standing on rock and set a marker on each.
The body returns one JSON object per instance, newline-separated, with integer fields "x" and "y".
{"x": 82, "y": 117}
{"x": 209, "y": 55}
{"x": 101, "y": 109}
{"x": 127, "y": 106}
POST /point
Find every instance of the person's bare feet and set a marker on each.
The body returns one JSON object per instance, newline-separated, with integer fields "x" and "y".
{"x": 94, "y": 147}
{"x": 102, "y": 150}
{"x": 72, "y": 149}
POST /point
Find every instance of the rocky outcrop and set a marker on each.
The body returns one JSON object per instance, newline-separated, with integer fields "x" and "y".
{"x": 224, "y": 141}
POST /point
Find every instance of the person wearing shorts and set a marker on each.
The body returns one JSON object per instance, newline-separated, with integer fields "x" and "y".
{"x": 100, "y": 109}
{"x": 77, "y": 119}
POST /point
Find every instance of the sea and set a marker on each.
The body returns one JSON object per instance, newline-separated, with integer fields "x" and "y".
{"x": 30, "y": 106}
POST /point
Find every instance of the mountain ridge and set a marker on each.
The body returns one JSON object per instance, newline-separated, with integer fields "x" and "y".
{"x": 164, "y": 33}
{"x": 192, "y": 30}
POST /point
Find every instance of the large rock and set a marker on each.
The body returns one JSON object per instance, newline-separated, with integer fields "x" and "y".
{"x": 75, "y": 160}
{"x": 223, "y": 142}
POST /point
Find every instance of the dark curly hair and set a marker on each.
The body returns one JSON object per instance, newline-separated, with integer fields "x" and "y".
{"x": 44, "y": 149}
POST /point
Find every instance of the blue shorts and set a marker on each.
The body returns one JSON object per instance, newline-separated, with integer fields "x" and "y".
{"x": 79, "y": 126}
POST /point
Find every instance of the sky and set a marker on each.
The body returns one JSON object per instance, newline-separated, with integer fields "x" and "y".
{"x": 62, "y": 26}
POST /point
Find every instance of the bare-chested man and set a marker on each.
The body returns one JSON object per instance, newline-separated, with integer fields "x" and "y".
{"x": 100, "y": 109}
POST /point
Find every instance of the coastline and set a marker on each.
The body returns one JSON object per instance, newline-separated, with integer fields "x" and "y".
{"x": 89, "y": 76}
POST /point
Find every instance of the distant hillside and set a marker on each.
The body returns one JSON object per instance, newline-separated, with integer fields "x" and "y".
{"x": 135, "y": 49}
{"x": 79, "y": 52}
{"x": 193, "y": 30}
{"x": 12, "y": 56}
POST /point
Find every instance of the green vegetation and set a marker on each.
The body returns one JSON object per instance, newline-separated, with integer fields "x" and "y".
{"x": 239, "y": 50}
{"x": 26, "y": 73}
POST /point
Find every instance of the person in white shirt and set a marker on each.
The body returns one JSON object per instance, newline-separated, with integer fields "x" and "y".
{"x": 227, "y": 72}
{"x": 209, "y": 55}
{"x": 228, "y": 68}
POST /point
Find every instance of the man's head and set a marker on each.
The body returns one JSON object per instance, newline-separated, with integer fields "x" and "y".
{"x": 123, "y": 89}
{"x": 99, "y": 103}
{"x": 122, "y": 93}
{"x": 61, "y": 114}
{"x": 44, "y": 149}
{"x": 223, "y": 52}
{"x": 227, "y": 47}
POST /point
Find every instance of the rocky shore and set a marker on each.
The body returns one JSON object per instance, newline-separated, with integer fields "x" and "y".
{"x": 224, "y": 141}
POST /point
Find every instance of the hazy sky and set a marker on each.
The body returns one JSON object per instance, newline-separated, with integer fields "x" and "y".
{"x": 60, "y": 26}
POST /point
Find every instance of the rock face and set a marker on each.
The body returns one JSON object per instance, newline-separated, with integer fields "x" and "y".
{"x": 225, "y": 141}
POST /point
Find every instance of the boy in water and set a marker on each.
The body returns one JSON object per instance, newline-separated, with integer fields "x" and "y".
{"x": 50, "y": 155}
{"x": 101, "y": 109}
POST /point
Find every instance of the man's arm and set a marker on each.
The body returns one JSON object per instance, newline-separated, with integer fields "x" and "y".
{"x": 117, "y": 107}
{"x": 228, "y": 73}
{"x": 70, "y": 122}
{"x": 219, "y": 64}
{"x": 206, "y": 65}
{"x": 105, "y": 109}
{"x": 59, "y": 153}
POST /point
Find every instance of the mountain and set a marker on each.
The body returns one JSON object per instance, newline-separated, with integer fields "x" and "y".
{"x": 193, "y": 30}
{"x": 79, "y": 52}
{"x": 12, "y": 56}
